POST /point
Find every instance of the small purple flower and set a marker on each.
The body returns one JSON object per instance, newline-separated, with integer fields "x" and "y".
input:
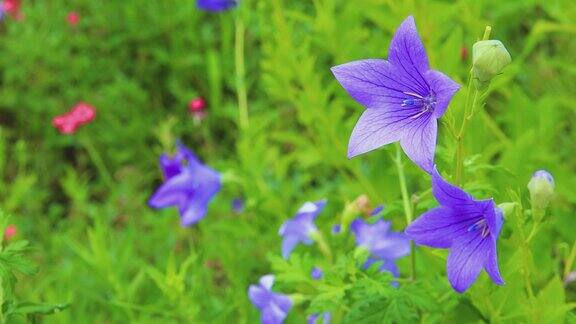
{"x": 403, "y": 98}
{"x": 336, "y": 229}
{"x": 313, "y": 319}
{"x": 383, "y": 244}
{"x": 300, "y": 228}
{"x": 216, "y": 5}
{"x": 317, "y": 273}
{"x": 377, "y": 210}
{"x": 188, "y": 185}
{"x": 468, "y": 227}
{"x": 238, "y": 205}
{"x": 274, "y": 307}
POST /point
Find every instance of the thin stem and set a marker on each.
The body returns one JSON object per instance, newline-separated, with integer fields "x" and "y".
{"x": 469, "y": 111}
{"x": 408, "y": 212}
{"x": 241, "y": 74}
{"x": 570, "y": 261}
{"x": 98, "y": 162}
{"x": 324, "y": 247}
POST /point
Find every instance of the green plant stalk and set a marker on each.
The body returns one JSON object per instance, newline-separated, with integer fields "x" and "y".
{"x": 469, "y": 112}
{"x": 570, "y": 260}
{"x": 323, "y": 245}
{"x": 98, "y": 162}
{"x": 241, "y": 75}
{"x": 408, "y": 212}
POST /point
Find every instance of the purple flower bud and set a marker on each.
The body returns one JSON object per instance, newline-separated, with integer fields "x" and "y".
{"x": 238, "y": 205}
{"x": 317, "y": 273}
{"x": 336, "y": 229}
{"x": 541, "y": 188}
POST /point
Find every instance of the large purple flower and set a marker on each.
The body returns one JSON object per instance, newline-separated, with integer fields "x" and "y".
{"x": 188, "y": 185}
{"x": 468, "y": 227}
{"x": 216, "y": 5}
{"x": 403, "y": 97}
{"x": 383, "y": 244}
{"x": 274, "y": 307}
{"x": 300, "y": 228}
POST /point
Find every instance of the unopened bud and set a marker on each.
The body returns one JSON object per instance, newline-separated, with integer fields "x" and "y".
{"x": 507, "y": 208}
{"x": 541, "y": 188}
{"x": 489, "y": 57}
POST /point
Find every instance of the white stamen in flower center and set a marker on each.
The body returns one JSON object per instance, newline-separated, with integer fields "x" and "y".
{"x": 481, "y": 224}
{"x": 427, "y": 103}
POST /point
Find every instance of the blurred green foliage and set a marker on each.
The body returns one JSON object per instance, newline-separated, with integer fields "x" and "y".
{"x": 99, "y": 246}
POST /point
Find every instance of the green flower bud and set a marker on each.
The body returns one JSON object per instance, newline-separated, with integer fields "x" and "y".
{"x": 489, "y": 57}
{"x": 541, "y": 188}
{"x": 507, "y": 208}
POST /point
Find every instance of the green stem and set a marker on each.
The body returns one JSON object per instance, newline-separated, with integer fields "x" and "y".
{"x": 98, "y": 162}
{"x": 570, "y": 261}
{"x": 469, "y": 111}
{"x": 241, "y": 74}
{"x": 408, "y": 212}
{"x": 323, "y": 245}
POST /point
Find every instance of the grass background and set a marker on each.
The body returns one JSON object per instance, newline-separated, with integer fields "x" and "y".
{"x": 139, "y": 63}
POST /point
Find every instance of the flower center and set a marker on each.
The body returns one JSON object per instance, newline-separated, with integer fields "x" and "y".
{"x": 480, "y": 225}
{"x": 426, "y": 103}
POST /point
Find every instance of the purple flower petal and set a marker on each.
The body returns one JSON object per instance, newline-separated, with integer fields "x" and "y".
{"x": 375, "y": 83}
{"x": 436, "y": 227}
{"x": 216, "y": 5}
{"x": 396, "y": 245}
{"x": 466, "y": 260}
{"x": 189, "y": 186}
{"x": 174, "y": 192}
{"x": 375, "y": 128}
{"x": 448, "y": 194}
{"x": 419, "y": 142}
{"x": 444, "y": 88}
{"x": 408, "y": 52}
{"x": 300, "y": 227}
{"x": 491, "y": 263}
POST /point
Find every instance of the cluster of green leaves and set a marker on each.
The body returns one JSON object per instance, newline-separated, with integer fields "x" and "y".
{"x": 81, "y": 199}
{"x": 14, "y": 260}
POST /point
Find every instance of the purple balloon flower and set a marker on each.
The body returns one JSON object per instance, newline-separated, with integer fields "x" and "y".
{"x": 188, "y": 185}
{"x": 383, "y": 244}
{"x": 324, "y": 319}
{"x": 403, "y": 97}
{"x": 468, "y": 227}
{"x": 274, "y": 307}
{"x": 216, "y": 5}
{"x": 300, "y": 228}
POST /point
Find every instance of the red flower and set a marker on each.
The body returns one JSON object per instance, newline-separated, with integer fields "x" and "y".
{"x": 12, "y": 7}
{"x": 10, "y": 232}
{"x": 81, "y": 114}
{"x": 197, "y": 107}
{"x": 73, "y": 18}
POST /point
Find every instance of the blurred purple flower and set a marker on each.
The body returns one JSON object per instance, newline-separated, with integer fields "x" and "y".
{"x": 403, "y": 98}
{"x": 383, "y": 244}
{"x": 188, "y": 185}
{"x": 274, "y": 307}
{"x": 238, "y": 205}
{"x": 216, "y": 5}
{"x": 300, "y": 228}
{"x": 316, "y": 273}
{"x": 468, "y": 227}
{"x": 377, "y": 210}
{"x": 336, "y": 229}
{"x": 325, "y": 319}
